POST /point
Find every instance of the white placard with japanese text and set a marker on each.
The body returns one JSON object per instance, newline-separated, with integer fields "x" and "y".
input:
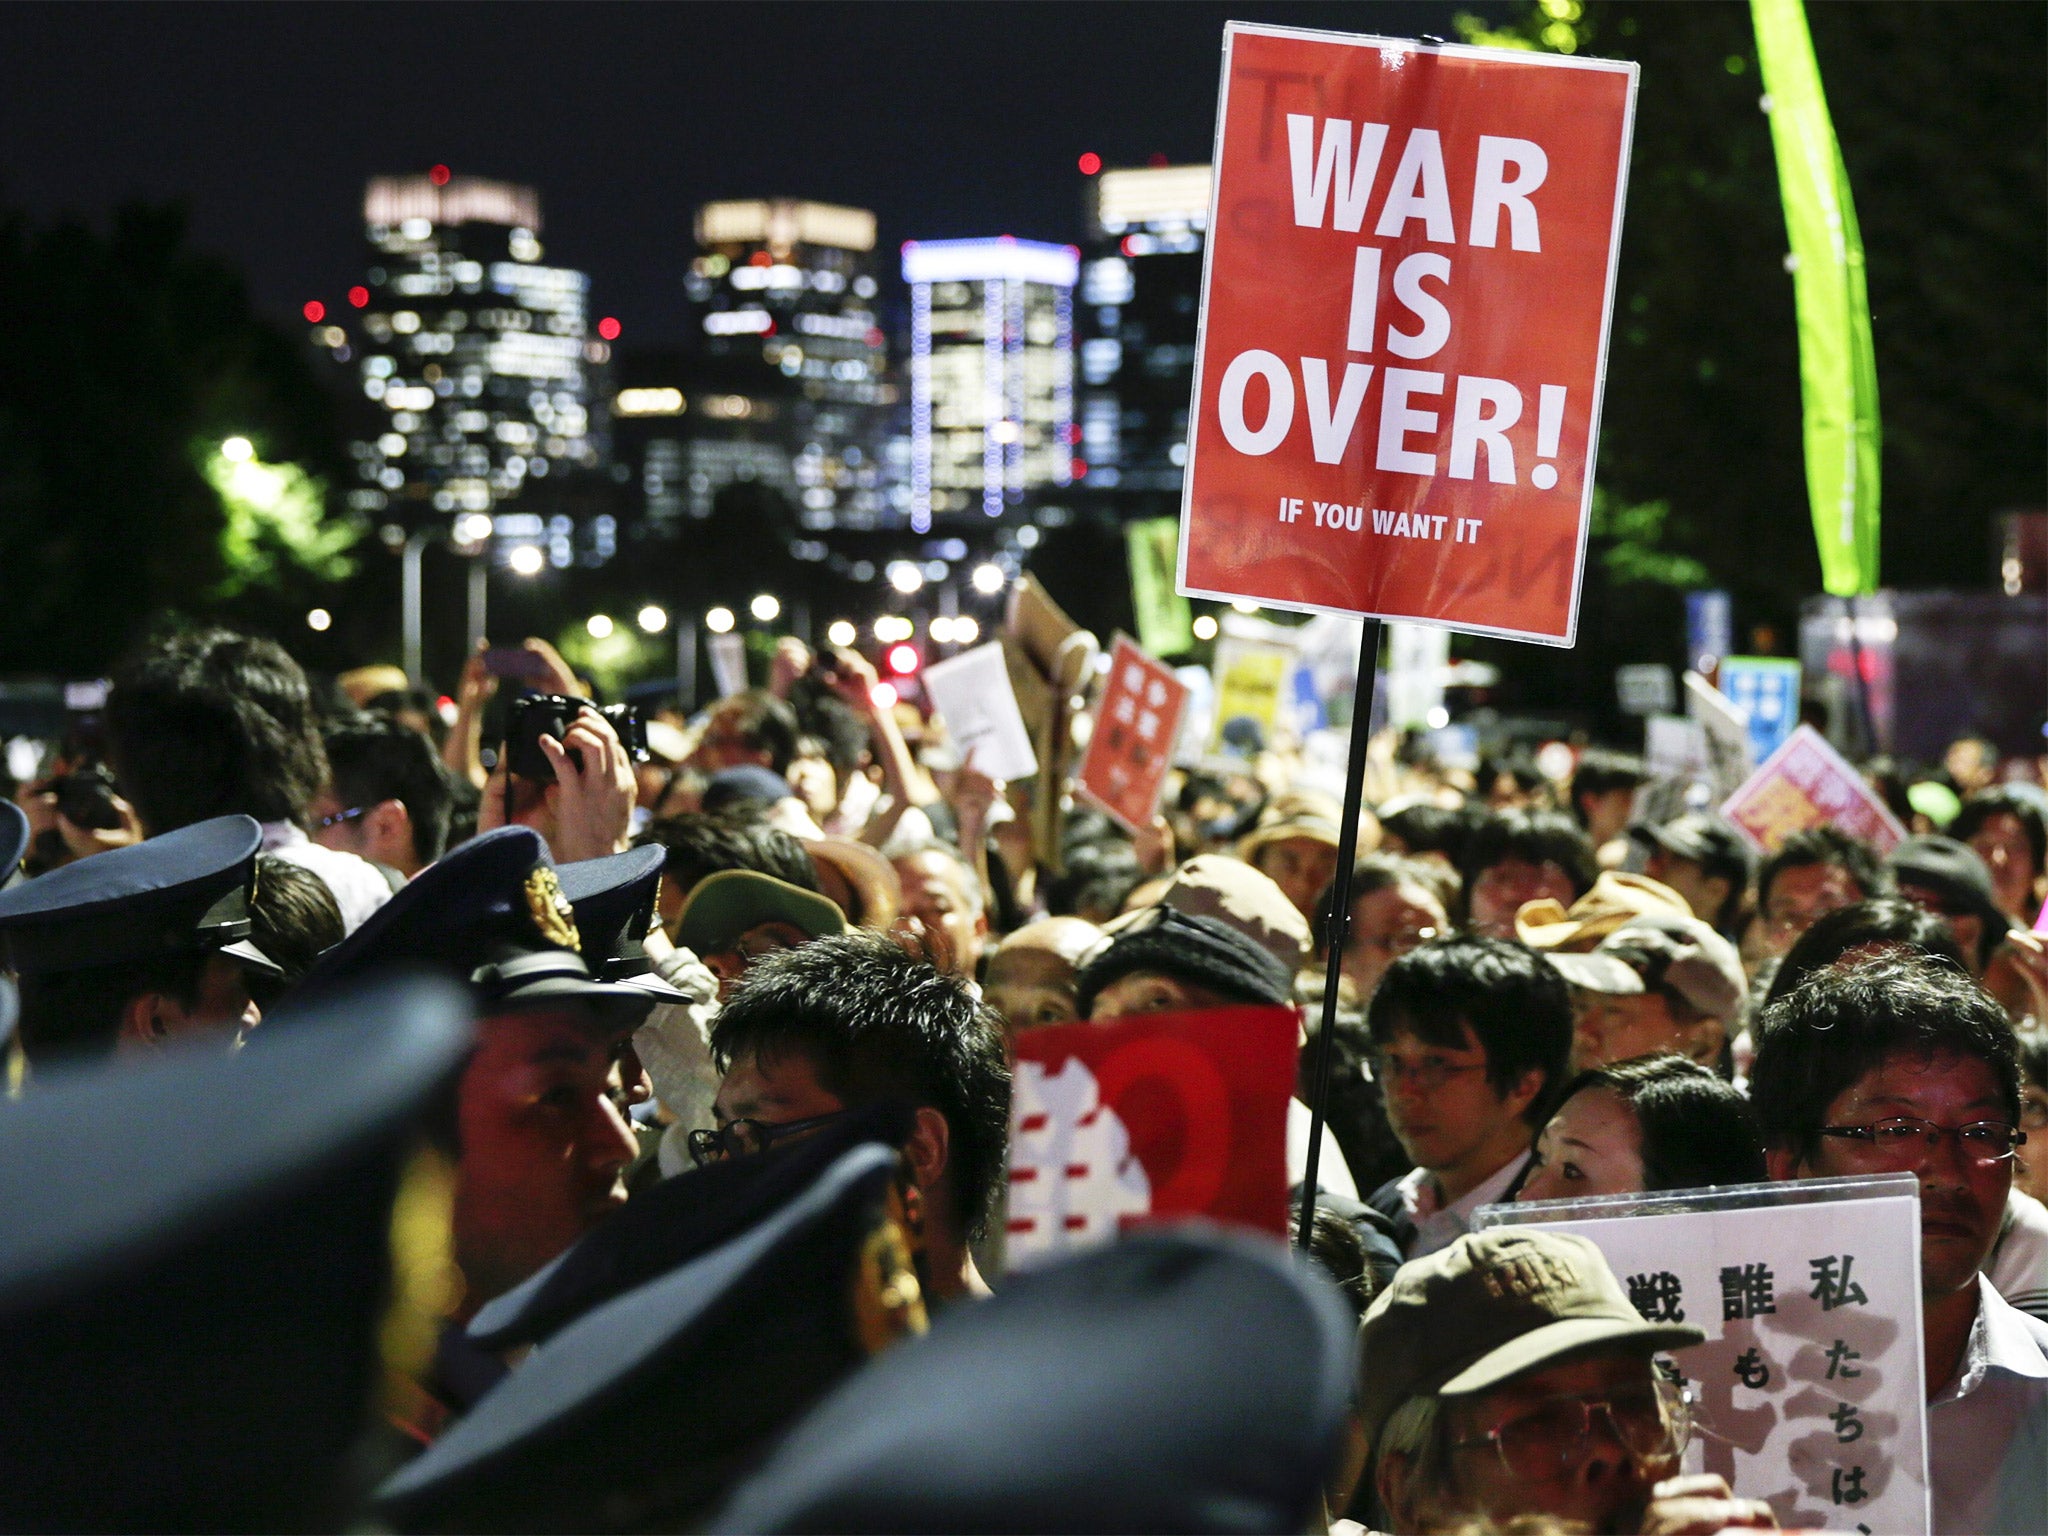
{"x": 1811, "y": 1391}
{"x": 972, "y": 693}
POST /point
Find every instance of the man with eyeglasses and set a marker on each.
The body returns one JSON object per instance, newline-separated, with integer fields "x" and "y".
{"x": 1813, "y": 873}
{"x": 1901, "y": 1064}
{"x": 1506, "y": 1375}
{"x": 1469, "y": 1035}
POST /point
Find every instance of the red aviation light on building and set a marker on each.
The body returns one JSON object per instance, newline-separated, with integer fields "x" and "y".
{"x": 439, "y": 175}
{"x": 608, "y": 328}
{"x": 1090, "y": 163}
{"x": 903, "y": 660}
{"x": 314, "y": 311}
{"x": 359, "y": 296}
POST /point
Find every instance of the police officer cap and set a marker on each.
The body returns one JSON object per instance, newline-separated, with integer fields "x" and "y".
{"x": 490, "y": 913}
{"x": 675, "y": 1221}
{"x": 13, "y": 839}
{"x": 187, "y": 890}
{"x": 641, "y": 1413}
{"x": 190, "y": 1310}
{"x": 614, "y": 899}
{"x": 1176, "y": 1380}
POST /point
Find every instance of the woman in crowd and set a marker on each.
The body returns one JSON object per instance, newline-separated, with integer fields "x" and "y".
{"x": 1648, "y": 1124}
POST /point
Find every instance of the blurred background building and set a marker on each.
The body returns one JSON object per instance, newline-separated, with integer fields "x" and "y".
{"x": 487, "y": 388}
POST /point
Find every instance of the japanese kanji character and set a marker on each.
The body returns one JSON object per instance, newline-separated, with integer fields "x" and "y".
{"x": 1155, "y": 694}
{"x": 1834, "y": 1290}
{"x": 1657, "y": 1296}
{"x": 1746, "y": 1291}
{"x": 1148, "y": 725}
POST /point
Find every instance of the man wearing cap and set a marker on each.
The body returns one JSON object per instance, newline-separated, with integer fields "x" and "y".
{"x": 735, "y": 917}
{"x": 544, "y": 1142}
{"x": 1660, "y": 983}
{"x": 1706, "y": 861}
{"x": 1951, "y": 880}
{"x": 1031, "y": 976}
{"x": 1295, "y": 846}
{"x": 131, "y": 948}
{"x": 1507, "y": 1375}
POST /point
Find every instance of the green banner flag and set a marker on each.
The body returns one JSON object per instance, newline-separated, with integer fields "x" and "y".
{"x": 1165, "y": 622}
{"x": 1837, "y": 369}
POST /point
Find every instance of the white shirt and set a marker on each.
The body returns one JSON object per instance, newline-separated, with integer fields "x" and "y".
{"x": 1438, "y": 1225}
{"x": 1987, "y": 1431}
{"x": 358, "y": 888}
{"x": 2018, "y": 1266}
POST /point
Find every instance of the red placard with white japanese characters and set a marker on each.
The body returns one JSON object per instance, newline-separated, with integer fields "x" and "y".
{"x": 1131, "y": 746}
{"x": 1807, "y": 783}
{"x": 1405, "y": 302}
{"x": 1153, "y": 1117}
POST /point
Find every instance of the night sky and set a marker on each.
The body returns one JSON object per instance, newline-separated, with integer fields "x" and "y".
{"x": 947, "y": 119}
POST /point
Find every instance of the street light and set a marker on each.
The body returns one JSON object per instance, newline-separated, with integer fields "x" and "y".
{"x": 904, "y": 576}
{"x": 988, "y": 580}
{"x": 764, "y": 607}
{"x": 652, "y": 619}
{"x": 892, "y": 627}
{"x": 965, "y": 630}
{"x": 599, "y": 625}
{"x": 718, "y": 620}
{"x": 1205, "y": 626}
{"x": 318, "y": 619}
{"x": 238, "y": 450}
{"x": 472, "y": 528}
{"x": 941, "y": 629}
{"x": 526, "y": 560}
{"x": 841, "y": 633}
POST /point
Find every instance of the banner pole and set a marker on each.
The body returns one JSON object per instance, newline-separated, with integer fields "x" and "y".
{"x": 1340, "y": 914}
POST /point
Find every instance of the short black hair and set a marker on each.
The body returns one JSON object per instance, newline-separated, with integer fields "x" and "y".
{"x": 1535, "y": 837}
{"x": 1826, "y": 845}
{"x": 1601, "y": 772}
{"x": 1980, "y": 808}
{"x": 372, "y": 758}
{"x": 76, "y": 1015}
{"x": 1514, "y": 1001}
{"x": 1883, "y": 922}
{"x": 211, "y": 723}
{"x": 1094, "y": 881}
{"x": 1374, "y": 872}
{"x": 293, "y": 916}
{"x": 768, "y": 724}
{"x": 880, "y": 1024}
{"x": 1696, "y": 1129}
{"x": 1826, "y": 1034}
{"x": 700, "y": 843}
{"x": 1425, "y": 827}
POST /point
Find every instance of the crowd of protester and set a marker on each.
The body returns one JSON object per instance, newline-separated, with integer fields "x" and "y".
{"x": 718, "y": 961}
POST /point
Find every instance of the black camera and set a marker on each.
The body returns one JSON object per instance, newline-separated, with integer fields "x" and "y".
{"x": 85, "y": 798}
{"x": 535, "y": 715}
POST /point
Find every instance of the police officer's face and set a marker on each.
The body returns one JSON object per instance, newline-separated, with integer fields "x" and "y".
{"x": 544, "y": 1145}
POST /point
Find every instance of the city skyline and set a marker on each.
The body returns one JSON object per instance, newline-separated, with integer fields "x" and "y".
{"x": 601, "y": 110}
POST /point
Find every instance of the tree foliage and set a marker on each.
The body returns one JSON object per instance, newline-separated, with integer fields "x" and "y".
{"x": 126, "y": 359}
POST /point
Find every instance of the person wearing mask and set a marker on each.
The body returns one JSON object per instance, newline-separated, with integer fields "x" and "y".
{"x": 737, "y": 917}
{"x": 1295, "y": 846}
{"x": 1469, "y": 1035}
{"x": 854, "y": 1020}
{"x": 1902, "y": 1064}
{"x": 1640, "y": 1126}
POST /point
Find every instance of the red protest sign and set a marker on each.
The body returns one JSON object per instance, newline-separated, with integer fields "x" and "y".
{"x": 1405, "y": 303}
{"x": 1131, "y": 746}
{"x": 1153, "y": 1117}
{"x": 1807, "y": 783}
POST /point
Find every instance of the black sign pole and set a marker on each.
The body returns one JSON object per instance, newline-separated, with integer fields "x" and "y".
{"x": 1340, "y": 913}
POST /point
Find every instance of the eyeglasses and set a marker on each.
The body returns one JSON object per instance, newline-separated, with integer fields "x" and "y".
{"x": 1428, "y": 1073}
{"x": 738, "y": 1138}
{"x": 1905, "y": 1142}
{"x": 2034, "y": 1111}
{"x": 1651, "y": 1422}
{"x": 322, "y": 823}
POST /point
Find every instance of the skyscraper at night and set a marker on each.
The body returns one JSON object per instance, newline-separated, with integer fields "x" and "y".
{"x": 1141, "y": 290}
{"x": 787, "y": 383}
{"x": 480, "y": 359}
{"x": 991, "y": 375}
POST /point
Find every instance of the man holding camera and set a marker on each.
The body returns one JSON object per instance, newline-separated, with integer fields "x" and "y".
{"x": 566, "y": 774}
